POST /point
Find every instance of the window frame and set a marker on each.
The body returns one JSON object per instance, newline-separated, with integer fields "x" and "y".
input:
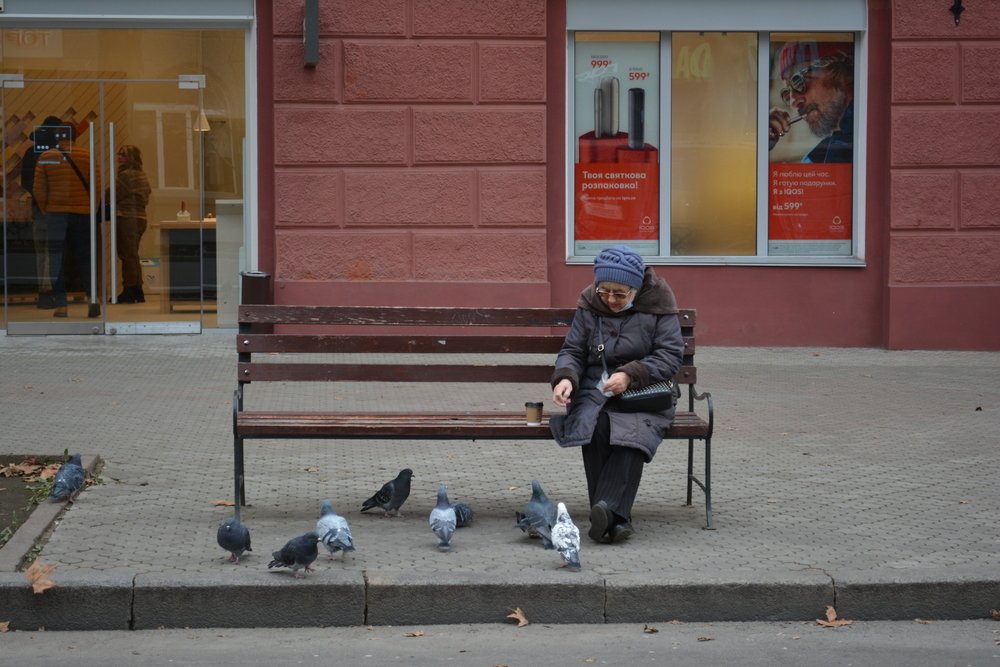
{"x": 763, "y": 17}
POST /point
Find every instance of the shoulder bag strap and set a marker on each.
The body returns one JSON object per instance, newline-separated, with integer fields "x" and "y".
{"x": 76, "y": 169}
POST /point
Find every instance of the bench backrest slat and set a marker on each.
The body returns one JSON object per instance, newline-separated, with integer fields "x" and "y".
{"x": 347, "y": 372}
{"x": 445, "y": 344}
{"x": 406, "y": 316}
{"x": 334, "y": 330}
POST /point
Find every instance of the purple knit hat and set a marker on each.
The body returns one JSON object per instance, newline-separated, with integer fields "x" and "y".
{"x": 619, "y": 264}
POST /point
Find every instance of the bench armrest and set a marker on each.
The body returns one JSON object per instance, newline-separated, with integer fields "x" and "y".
{"x": 704, "y": 396}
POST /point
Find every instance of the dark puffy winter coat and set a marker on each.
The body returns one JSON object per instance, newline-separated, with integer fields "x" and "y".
{"x": 644, "y": 341}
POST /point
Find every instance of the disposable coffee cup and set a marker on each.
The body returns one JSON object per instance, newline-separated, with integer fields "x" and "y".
{"x": 533, "y": 414}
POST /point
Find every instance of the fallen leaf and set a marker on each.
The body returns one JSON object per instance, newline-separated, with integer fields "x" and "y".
{"x": 414, "y": 633}
{"x": 706, "y": 638}
{"x": 223, "y": 503}
{"x": 995, "y": 614}
{"x": 831, "y": 619}
{"x": 963, "y": 502}
{"x": 311, "y": 469}
{"x": 649, "y": 630}
{"x": 589, "y": 660}
{"x": 518, "y": 615}
{"x": 38, "y": 576}
{"x": 4, "y": 626}
{"x": 921, "y": 621}
{"x": 675, "y": 622}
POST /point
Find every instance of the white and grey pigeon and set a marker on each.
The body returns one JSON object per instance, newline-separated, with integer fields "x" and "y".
{"x": 539, "y": 515}
{"x": 566, "y": 538}
{"x": 443, "y": 519}
{"x": 333, "y": 531}
{"x": 463, "y": 514}
{"x": 392, "y": 495}
{"x": 69, "y": 479}
{"x": 297, "y": 554}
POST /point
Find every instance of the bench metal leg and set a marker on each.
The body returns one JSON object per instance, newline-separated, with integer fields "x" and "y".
{"x": 690, "y": 469}
{"x": 241, "y": 496}
{"x": 705, "y": 486}
{"x": 708, "y": 484}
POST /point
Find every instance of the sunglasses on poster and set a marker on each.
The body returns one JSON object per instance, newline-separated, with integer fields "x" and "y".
{"x": 799, "y": 80}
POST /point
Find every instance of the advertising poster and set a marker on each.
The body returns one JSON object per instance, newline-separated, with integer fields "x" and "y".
{"x": 811, "y": 145}
{"x": 617, "y": 138}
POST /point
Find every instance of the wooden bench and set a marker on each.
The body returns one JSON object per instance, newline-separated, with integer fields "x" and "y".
{"x": 323, "y": 344}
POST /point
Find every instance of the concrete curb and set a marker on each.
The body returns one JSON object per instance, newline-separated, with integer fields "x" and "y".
{"x": 102, "y": 601}
{"x": 903, "y": 597}
{"x": 276, "y": 600}
{"x": 557, "y": 597}
{"x": 633, "y": 599}
{"x": 80, "y": 601}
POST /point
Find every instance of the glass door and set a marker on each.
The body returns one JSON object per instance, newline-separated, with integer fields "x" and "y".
{"x": 104, "y": 221}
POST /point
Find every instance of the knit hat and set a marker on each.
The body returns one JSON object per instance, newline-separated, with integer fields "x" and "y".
{"x": 619, "y": 264}
{"x": 797, "y": 54}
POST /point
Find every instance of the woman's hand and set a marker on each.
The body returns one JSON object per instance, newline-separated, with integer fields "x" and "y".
{"x": 561, "y": 392}
{"x": 618, "y": 382}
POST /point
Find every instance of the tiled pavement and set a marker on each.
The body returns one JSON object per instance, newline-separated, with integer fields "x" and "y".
{"x": 856, "y": 477}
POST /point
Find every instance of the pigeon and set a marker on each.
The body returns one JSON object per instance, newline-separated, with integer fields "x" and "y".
{"x": 298, "y": 553}
{"x": 234, "y": 537}
{"x": 392, "y": 495}
{"x": 566, "y": 538}
{"x": 333, "y": 531}
{"x": 443, "y": 519}
{"x": 539, "y": 515}
{"x": 69, "y": 478}
{"x": 463, "y": 514}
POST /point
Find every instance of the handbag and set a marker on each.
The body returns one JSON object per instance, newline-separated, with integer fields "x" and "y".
{"x": 656, "y": 397}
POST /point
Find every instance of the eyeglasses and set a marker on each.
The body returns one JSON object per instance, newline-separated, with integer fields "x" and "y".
{"x": 799, "y": 80}
{"x": 607, "y": 294}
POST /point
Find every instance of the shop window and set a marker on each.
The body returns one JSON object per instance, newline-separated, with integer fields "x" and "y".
{"x": 715, "y": 146}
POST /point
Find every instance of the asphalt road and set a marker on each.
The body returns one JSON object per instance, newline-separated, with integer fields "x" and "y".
{"x": 909, "y": 643}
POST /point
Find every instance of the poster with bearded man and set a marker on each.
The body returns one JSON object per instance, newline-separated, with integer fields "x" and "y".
{"x": 811, "y": 145}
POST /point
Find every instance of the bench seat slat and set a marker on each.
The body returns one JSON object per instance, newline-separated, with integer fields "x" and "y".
{"x": 465, "y": 425}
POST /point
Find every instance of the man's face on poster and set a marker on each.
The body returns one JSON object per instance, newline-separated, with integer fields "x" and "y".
{"x": 814, "y": 92}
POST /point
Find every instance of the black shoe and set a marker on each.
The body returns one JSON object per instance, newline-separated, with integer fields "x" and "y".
{"x": 47, "y": 301}
{"x": 621, "y": 532}
{"x": 137, "y": 295}
{"x": 125, "y": 296}
{"x": 600, "y": 519}
{"x": 94, "y": 310}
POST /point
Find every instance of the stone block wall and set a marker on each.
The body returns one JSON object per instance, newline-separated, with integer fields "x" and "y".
{"x": 944, "y": 154}
{"x": 414, "y": 152}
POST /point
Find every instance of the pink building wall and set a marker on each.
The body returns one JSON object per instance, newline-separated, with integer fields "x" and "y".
{"x": 944, "y": 199}
{"x": 422, "y": 162}
{"x": 409, "y": 164}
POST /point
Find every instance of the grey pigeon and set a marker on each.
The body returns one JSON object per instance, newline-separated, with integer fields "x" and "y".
{"x": 443, "y": 519}
{"x": 333, "y": 530}
{"x": 234, "y": 537}
{"x": 298, "y": 553}
{"x": 566, "y": 538}
{"x": 69, "y": 479}
{"x": 392, "y": 495}
{"x": 463, "y": 514}
{"x": 539, "y": 515}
